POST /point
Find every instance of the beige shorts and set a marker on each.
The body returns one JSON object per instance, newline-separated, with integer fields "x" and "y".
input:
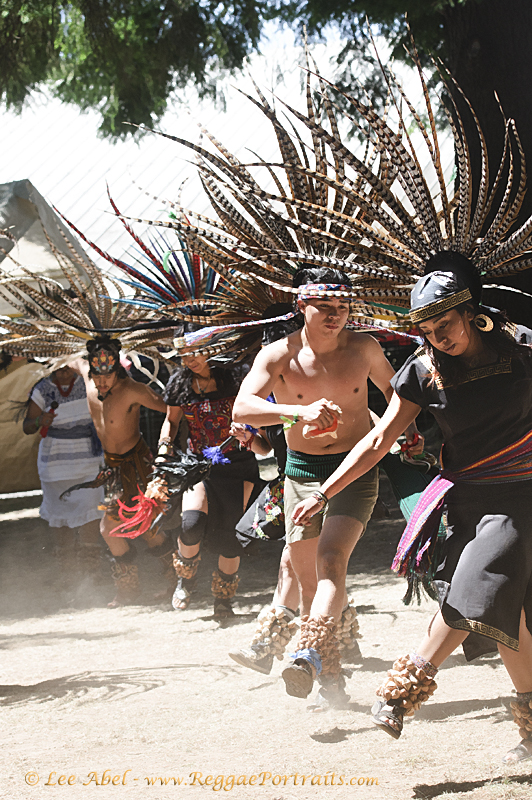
{"x": 356, "y": 500}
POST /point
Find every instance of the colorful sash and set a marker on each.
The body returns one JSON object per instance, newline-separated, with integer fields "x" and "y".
{"x": 416, "y": 550}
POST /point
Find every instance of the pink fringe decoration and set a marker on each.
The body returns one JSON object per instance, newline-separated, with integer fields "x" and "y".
{"x": 144, "y": 513}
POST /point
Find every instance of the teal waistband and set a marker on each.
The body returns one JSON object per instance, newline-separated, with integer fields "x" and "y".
{"x": 311, "y": 467}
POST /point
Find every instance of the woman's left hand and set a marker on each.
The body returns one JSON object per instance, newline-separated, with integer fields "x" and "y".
{"x": 305, "y": 510}
{"x": 240, "y": 432}
{"x": 415, "y": 443}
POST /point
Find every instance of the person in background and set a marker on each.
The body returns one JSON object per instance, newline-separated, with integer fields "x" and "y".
{"x": 69, "y": 449}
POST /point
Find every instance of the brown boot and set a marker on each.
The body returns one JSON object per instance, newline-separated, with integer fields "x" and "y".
{"x": 275, "y": 628}
{"x": 223, "y": 588}
{"x": 126, "y": 578}
{"x": 347, "y": 633}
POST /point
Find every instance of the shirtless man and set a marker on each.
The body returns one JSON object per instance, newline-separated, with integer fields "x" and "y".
{"x": 114, "y": 404}
{"x": 319, "y": 378}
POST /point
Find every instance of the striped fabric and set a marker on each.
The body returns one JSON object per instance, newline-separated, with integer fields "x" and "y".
{"x": 65, "y": 459}
{"x": 512, "y": 463}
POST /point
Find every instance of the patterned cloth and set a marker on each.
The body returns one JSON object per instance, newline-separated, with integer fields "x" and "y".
{"x": 208, "y": 422}
{"x": 71, "y": 452}
{"x": 513, "y": 463}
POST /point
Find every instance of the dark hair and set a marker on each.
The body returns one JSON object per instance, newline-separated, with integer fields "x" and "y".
{"x": 179, "y": 388}
{"x": 317, "y": 275}
{"x": 320, "y": 275}
{"x": 462, "y": 267}
{"x": 279, "y": 330}
{"x": 451, "y": 369}
{"x": 5, "y": 360}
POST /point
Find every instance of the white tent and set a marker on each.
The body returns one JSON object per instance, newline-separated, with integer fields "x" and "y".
{"x": 25, "y": 214}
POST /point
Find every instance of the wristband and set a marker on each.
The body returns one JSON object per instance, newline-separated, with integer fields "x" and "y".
{"x": 289, "y": 423}
{"x": 37, "y": 422}
{"x": 247, "y": 445}
{"x": 317, "y": 495}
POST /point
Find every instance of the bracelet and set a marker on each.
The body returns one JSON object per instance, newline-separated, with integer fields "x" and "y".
{"x": 289, "y": 423}
{"x": 37, "y": 422}
{"x": 247, "y": 445}
{"x": 165, "y": 447}
{"x": 317, "y": 495}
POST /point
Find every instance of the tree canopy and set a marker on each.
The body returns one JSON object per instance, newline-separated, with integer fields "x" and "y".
{"x": 123, "y": 57}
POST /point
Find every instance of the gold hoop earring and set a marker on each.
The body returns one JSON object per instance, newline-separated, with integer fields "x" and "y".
{"x": 483, "y": 322}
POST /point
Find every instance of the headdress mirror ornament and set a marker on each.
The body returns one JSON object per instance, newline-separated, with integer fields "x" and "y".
{"x": 103, "y": 361}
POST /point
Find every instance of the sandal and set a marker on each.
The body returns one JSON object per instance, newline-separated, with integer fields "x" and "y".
{"x": 181, "y": 597}
{"x": 522, "y": 752}
{"x": 298, "y": 678}
{"x": 388, "y": 717}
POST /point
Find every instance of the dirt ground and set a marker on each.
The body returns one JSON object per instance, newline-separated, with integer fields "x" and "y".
{"x": 129, "y": 702}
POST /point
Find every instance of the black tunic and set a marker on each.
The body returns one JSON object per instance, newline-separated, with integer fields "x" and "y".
{"x": 485, "y": 576}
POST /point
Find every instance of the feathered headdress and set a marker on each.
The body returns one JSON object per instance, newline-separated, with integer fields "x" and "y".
{"x": 213, "y": 310}
{"x": 384, "y": 217}
{"x": 56, "y": 321}
{"x": 313, "y": 214}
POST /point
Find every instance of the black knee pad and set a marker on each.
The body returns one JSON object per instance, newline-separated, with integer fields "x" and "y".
{"x": 193, "y": 525}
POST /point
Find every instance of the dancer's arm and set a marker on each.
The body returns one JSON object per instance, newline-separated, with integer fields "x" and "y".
{"x": 364, "y": 455}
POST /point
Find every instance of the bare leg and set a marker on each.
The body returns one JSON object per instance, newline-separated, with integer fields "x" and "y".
{"x": 519, "y": 668}
{"x": 116, "y": 544}
{"x": 287, "y": 589}
{"x": 318, "y": 643}
{"x": 302, "y": 556}
{"x": 519, "y": 664}
{"x": 228, "y": 565}
{"x": 338, "y": 538}
{"x": 440, "y": 641}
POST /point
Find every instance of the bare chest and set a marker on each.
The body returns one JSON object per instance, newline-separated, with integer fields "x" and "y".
{"x": 341, "y": 378}
{"x": 114, "y": 412}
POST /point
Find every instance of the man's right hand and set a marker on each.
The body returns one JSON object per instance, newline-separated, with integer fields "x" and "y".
{"x": 321, "y": 414}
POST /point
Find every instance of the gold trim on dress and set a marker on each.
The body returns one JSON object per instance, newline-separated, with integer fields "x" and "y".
{"x": 440, "y": 306}
{"x": 474, "y": 626}
{"x": 503, "y": 365}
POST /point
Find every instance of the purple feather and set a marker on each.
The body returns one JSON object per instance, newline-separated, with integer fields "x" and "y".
{"x": 215, "y": 455}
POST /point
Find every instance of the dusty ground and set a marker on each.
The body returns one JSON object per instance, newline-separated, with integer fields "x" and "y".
{"x": 146, "y": 693}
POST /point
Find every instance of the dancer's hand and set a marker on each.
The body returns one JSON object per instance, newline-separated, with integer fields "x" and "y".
{"x": 305, "y": 510}
{"x": 240, "y": 432}
{"x": 415, "y": 442}
{"x": 321, "y": 414}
